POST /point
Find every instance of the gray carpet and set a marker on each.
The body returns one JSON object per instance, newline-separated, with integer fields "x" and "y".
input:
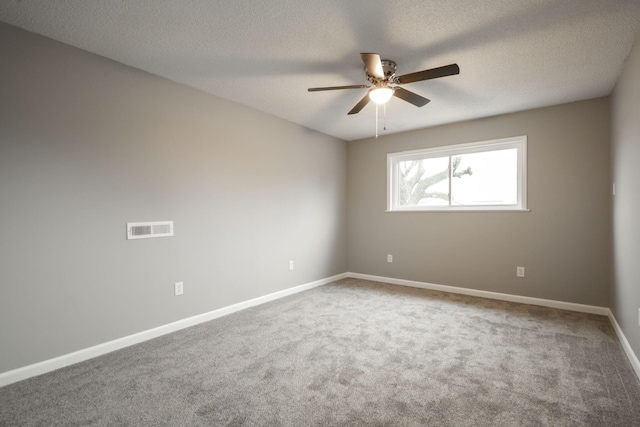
{"x": 353, "y": 353}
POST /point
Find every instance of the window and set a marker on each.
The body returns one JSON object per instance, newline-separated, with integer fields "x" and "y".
{"x": 487, "y": 175}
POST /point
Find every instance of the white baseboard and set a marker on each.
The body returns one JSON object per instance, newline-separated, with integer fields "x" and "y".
{"x": 29, "y": 371}
{"x": 604, "y": 311}
{"x": 43, "y": 367}
{"x": 633, "y": 359}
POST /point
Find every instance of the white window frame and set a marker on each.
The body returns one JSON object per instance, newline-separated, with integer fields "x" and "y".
{"x": 518, "y": 142}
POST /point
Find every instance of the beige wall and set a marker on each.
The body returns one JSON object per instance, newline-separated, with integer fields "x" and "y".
{"x": 87, "y": 145}
{"x": 625, "y": 124}
{"x": 563, "y": 242}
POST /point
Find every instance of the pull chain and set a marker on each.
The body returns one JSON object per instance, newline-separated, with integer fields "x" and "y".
{"x": 384, "y": 116}
{"x": 376, "y": 121}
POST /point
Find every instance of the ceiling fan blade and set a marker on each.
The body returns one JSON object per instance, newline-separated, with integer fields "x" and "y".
{"x": 318, "y": 89}
{"x": 433, "y": 73}
{"x": 373, "y": 64}
{"x": 360, "y": 105}
{"x": 410, "y": 97}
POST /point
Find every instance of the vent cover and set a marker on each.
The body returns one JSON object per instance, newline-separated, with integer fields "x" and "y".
{"x": 146, "y": 230}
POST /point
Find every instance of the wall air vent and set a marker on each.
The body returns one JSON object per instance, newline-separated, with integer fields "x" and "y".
{"x": 145, "y": 230}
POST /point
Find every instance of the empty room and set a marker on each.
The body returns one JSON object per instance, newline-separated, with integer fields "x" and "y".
{"x": 302, "y": 213}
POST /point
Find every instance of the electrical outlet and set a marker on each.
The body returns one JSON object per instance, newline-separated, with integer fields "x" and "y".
{"x": 291, "y": 265}
{"x": 178, "y": 288}
{"x": 389, "y": 258}
{"x": 520, "y": 271}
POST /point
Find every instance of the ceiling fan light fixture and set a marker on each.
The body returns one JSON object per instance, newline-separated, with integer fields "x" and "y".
{"x": 381, "y": 95}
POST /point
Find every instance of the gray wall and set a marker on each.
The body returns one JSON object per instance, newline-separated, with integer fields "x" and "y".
{"x": 87, "y": 145}
{"x": 563, "y": 242}
{"x": 625, "y": 154}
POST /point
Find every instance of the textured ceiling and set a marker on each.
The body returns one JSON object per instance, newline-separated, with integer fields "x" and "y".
{"x": 513, "y": 54}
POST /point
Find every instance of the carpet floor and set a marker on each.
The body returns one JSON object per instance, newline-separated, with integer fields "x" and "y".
{"x": 352, "y": 353}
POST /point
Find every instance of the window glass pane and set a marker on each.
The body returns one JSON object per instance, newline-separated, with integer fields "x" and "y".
{"x": 477, "y": 176}
{"x": 423, "y": 182}
{"x": 485, "y": 179}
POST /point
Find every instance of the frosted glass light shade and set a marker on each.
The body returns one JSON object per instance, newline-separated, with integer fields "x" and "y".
{"x": 381, "y": 95}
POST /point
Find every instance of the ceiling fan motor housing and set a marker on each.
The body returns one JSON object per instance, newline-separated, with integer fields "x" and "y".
{"x": 388, "y": 67}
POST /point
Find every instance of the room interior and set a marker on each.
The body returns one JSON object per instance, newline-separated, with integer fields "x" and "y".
{"x": 108, "y": 118}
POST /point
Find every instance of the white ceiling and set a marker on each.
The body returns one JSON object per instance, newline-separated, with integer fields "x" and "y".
{"x": 513, "y": 54}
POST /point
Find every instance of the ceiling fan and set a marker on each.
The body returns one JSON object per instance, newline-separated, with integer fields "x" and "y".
{"x": 381, "y": 73}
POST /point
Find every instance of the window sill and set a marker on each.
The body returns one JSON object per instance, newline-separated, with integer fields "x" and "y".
{"x": 476, "y": 210}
